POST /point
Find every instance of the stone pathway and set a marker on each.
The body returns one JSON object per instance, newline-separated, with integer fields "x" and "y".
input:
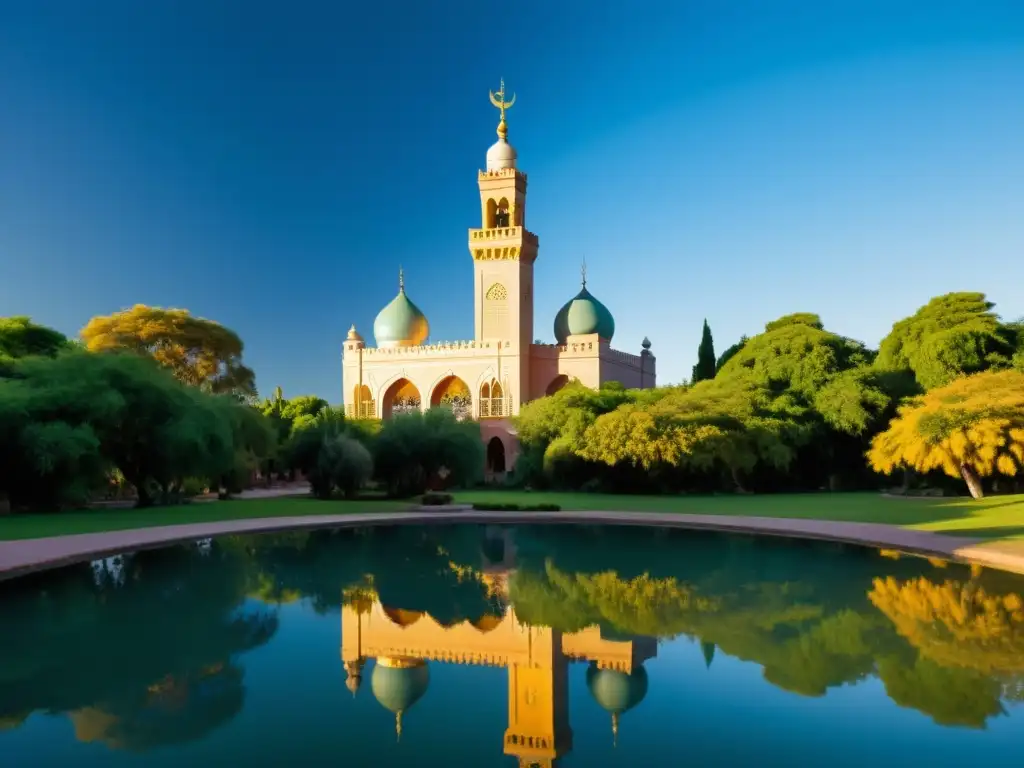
{"x": 25, "y": 556}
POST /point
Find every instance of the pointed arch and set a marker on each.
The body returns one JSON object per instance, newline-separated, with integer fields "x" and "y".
{"x": 493, "y": 400}
{"x": 490, "y": 213}
{"x": 402, "y": 396}
{"x": 501, "y": 214}
{"x": 496, "y": 459}
{"x": 495, "y": 312}
{"x": 452, "y": 392}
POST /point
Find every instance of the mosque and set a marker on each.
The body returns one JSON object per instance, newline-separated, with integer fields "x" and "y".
{"x": 403, "y": 644}
{"x": 491, "y": 376}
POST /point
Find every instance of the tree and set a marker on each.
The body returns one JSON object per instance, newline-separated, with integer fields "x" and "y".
{"x": 951, "y": 335}
{"x": 65, "y": 422}
{"x": 705, "y": 367}
{"x": 411, "y": 450}
{"x": 343, "y": 464}
{"x": 20, "y": 337}
{"x": 199, "y": 352}
{"x": 970, "y": 428}
{"x": 726, "y": 356}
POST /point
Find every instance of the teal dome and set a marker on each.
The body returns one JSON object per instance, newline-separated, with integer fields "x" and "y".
{"x": 398, "y": 686}
{"x": 584, "y": 315}
{"x": 401, "y": 323}
{"x": 615, "y": 691}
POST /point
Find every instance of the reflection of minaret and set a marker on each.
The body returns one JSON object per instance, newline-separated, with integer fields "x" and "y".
{"x": 353, "y": 675}
{"x": 538, "y": 702}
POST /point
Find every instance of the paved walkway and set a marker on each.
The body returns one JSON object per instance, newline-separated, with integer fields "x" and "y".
{"x": 25, "y": 556}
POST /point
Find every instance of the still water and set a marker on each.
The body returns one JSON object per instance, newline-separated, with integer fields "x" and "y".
{"x": 511, "y": 646}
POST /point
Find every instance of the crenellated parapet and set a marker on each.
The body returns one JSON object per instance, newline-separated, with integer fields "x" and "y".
{"x": 438, "y": 350}
{"x": 501, "y": 173}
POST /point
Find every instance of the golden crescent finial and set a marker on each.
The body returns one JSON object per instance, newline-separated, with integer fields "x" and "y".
{"x": 498, "y": 100}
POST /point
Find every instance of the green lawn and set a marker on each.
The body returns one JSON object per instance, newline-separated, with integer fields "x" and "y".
{"x": 993, "y": 517}
{"x": 998, "y": 517}
{"x": 96, "y": 520}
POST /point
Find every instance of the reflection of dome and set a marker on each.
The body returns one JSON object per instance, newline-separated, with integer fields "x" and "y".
{"x": 500, "y": 156}
{"x": 584, "y": 315}
{"x": 398, "y": 683}
{"x": 616, "y": 692}
{"x": 401, "y": 323}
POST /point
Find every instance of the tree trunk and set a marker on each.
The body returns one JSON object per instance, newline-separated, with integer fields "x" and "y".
{"x": 736, "y": 479}
{"x": 973, "y": 481}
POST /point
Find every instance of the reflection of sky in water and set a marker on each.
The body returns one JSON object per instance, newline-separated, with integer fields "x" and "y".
{"x": 297, "y": 710}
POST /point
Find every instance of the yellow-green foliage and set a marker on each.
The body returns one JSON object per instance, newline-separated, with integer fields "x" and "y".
{"x": 956, "y": 624}
{"x": 975, "y": 421}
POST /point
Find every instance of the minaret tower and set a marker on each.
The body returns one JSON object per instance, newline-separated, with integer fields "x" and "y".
{"x": 503, "y": 252}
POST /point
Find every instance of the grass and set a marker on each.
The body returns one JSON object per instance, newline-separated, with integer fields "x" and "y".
{"x": 98, "y": 520}
{"x": 997, "y": 517}
{"x": 994, "y": 517}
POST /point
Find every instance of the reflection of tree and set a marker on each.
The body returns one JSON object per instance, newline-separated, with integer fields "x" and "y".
{"x": 151, "y": 652}
{"x": 956, "y": 623}
{"x": 787, "y": 607}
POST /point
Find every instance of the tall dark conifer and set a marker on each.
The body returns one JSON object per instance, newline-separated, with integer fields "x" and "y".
{"x": 705, "y": 367}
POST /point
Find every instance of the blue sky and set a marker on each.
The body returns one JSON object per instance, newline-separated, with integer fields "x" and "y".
{"x": 269, "y": 165}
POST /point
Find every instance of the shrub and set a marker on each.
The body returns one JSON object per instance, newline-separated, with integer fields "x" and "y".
{"x": 412, "y": 450}
{"x": 437, "y": 499}
{"x": 490, "y": 507}
{"x": 343, "y": 464}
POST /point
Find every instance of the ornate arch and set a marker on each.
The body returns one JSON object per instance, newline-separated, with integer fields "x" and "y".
{"x": 493, "y": 400}
{"x": 400, "y": 395}
{"x": 452, "y": 391}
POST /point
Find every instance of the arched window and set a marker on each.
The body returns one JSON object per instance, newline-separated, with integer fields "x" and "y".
{"x": 490, "y": 214}
{"x": 495, "y": 312}
{"x": 501, "y": 218}
{"x": 363, "y": 406}
{"x": 492, "y": 401}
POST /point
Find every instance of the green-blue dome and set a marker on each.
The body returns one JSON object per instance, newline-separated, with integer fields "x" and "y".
{"x": 401, "y": 323}
{"x": 616, "y": 691}
{"x": 398, "y": 684}
{"x": 584, "y": 315}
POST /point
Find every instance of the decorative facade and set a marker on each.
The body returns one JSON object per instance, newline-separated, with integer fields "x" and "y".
{"x": 490, "y": 376}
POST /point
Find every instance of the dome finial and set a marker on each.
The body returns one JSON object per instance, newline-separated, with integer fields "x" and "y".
{"x": 498, "y": 100}
{"x": 583, "y": 271}
{"x": 615, "y": 729}
{"x": 398, "y": 725}
{"x": 401, "y": 279}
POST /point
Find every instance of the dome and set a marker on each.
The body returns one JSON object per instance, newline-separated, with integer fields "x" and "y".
{"x": 401, "y": 323}
{"x": 399, "y": 683}
{"x": 616, "y": 691}
{"x": 584, "y": 315}
{"x": 500, "y": 156}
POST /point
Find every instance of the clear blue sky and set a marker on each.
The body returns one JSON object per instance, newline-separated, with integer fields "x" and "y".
{"x": 269, "y": 165}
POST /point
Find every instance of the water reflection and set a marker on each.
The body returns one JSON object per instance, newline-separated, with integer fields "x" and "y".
{"x": 151, "y": 650}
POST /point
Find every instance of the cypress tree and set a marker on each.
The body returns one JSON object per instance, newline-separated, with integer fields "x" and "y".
{"x": 705, "y": 367}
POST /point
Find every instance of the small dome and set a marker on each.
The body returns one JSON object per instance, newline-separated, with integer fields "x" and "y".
{"x": 401, "y": 323}
{"x": 646, "y": 343}
{"x": 584, "y": 315}
{"x": 399, "y": 683}
{"x": 353, "y": 334}
{"x": 616, "y": 691}
{"x": 500, "y": 156}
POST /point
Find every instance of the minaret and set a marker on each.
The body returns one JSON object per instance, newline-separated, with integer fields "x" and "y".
{"x": 503, "y": 252}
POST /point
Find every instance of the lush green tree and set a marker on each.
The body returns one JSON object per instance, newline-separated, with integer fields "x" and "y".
{"x": 726, "y": 356}
{"x": 704, "y": 428}
{"x": 65, "y": 422}
{"x": 970, "y": 428}
{"x": 412, "y": 449}
{"x": 344, "y": 464}
{"x": 951, "y": 335}
{"x": 705, "y": 367}
{"x": 810, "y": 319}
{"x": 199, "y": 352}
{"x": 20, "y": 337}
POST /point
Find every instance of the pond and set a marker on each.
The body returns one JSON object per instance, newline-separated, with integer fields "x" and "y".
{"x": 502, "y": 646}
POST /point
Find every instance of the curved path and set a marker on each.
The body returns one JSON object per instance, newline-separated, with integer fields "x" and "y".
{"x": 28, "y": 555}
